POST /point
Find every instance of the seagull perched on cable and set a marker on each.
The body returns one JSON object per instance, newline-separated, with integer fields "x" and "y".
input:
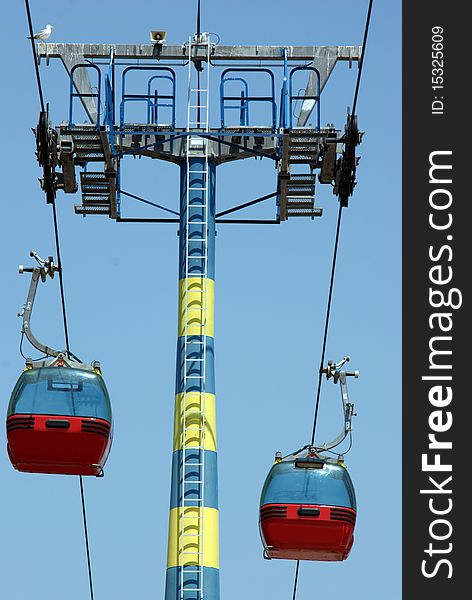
{"x": 44, "y": 34}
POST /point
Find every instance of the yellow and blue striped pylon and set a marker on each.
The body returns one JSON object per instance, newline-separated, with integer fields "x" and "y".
{"x": 193, "y": 553}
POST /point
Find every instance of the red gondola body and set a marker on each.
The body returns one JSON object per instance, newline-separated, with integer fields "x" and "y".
{"x": 57, "y": 444}
{"x": 307, "y": 531}
{"x": 59, "y": 419}
{"x": 308, "y": 509}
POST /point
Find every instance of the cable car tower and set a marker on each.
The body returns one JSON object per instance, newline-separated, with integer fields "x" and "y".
{"x": 99, "y": 82}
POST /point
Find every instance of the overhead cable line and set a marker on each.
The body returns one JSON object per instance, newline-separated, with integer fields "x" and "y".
{"x": 66, "y": 335}
{"x": 33, "y": 47}
{"x": 361, "y": 64}
{"x": 336, "y": 243}
{"x": 61, "y": 287}
{"x": 328, "y": 314}
{"x": 84, "y": 517}
{"x": 333, "y": 267}
{"x": 296, "y": 581}
{"x": 61, "y": 281}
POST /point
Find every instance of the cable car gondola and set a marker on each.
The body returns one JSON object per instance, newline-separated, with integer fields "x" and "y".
{"x": 308, "y": 509}
{"x": 59, "y": 417}
{"x": 308, "y": 503}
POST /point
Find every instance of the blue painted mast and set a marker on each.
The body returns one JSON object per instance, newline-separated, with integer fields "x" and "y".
{"x": 193, "y": 553}
{"x": 193, "y": 550}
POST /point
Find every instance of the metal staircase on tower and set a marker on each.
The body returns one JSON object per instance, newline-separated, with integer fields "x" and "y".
{"x": 91, "y": 145}
{"x": 297, "y": 190}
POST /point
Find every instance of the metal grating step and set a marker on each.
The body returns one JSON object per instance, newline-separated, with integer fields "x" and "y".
{"x": 95, "y": 200}
{"x": 88, "y": 149}
{"x": 98, "y": 203}
{"x": 303, "y": 209}
{"x": 301, "y": 204}
{"x": 91, "y": 210}
{"x": 302, "y": 146}
{"x": 304, "y": 213}
{"x": 83, "y": 157}
{"x": 300, "y": 190}
{"x": 87, "y": 145}
{"x": 307, "y": 143}
{"x": 302, "y": 150}
{"x": 303, "y": 160}
{"x": 87, "y": 141}
{"x": 93, "y": 176}
{"x": 94, "y": 184}
{"x": 95, "y": 190}
{"x": 80, "y": 131}
{"x": 298, "y": 131}
{"x": 300, "y": 200}
{"x": 302, "y": 177}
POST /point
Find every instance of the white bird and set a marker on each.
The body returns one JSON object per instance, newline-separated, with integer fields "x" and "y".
{"x": 44, "y": 34}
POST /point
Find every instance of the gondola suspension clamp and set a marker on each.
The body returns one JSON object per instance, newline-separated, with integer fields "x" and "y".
{"x": 334, "y": 370}
{"x": 46, "y": 269}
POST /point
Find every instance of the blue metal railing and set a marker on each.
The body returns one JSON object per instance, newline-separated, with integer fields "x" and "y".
{"x": 75, "y": 94}
{"x": 154, "y": 100}
{"x": 244, "y": 100}
{"x": 118, "y": 192}
{"x": 284, "y": 93}
{"x": 109, "y": 116}
{"x": 154, "y": 104}
{"x": 243, "y": 105}
{"x": 109, "y": 110}
{"x": 315, "y": 98}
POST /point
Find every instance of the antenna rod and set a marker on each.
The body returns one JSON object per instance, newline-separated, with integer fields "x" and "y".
{"x": 199, "y": 67}
{"x": 198, "y": 19}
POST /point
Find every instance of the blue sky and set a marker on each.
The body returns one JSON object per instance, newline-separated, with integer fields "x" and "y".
{"x": 271, "y": 288}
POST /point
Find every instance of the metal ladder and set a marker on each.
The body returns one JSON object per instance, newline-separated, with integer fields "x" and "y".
{"x": 195, "y": 350}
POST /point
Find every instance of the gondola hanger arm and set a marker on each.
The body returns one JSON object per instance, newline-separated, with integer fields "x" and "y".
{"x": 46, "y": 269}
{"x": 334, "y": 370}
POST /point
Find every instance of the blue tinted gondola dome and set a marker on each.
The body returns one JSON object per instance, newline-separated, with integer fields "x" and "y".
{"x": 325, "y": 482}
{"x": 72, "y": 390}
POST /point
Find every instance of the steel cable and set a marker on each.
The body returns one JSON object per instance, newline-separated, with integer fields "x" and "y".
{"x": 361, "y": 65}
{"x": 328, "y": 310}
{"x": 61, "y": 287}
{"x": 333, "y": 267}
{"x": 33, "y": 48}
{"x": 328, "y": 314}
